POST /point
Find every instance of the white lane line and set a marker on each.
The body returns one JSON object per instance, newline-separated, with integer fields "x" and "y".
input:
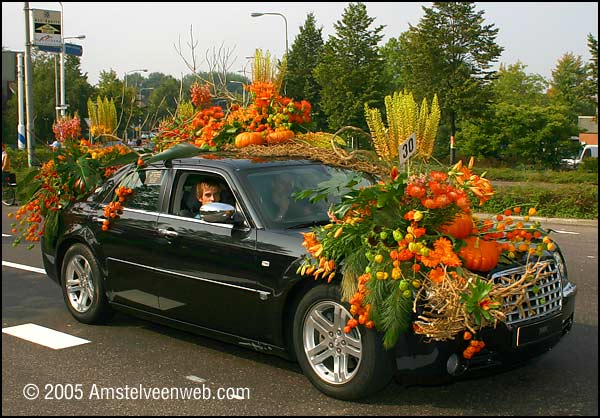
{"x": 23, "y": 267}
{"x": 6, "y": 235}
{"x": 560, "y": 231}
{"x": 44, "y": 336}
{"x": 195, "y": 379}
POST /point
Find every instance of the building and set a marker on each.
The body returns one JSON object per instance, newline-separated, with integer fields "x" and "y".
{"x": 588, "y": 127}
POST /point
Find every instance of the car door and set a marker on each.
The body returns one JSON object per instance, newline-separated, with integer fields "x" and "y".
{"x": 208, "y": 270}
{"x": 129, "y": 243}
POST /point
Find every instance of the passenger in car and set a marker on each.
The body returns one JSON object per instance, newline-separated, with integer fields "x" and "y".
{"x": 286, "y": 207}
{"x": 207, "y": 192}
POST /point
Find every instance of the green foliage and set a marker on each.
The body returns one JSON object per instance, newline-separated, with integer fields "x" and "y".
{"x": 477, "y": 302}
{"x": 350, "y": 72}
{"x": 569, "y": 86}
{"x": 514, "y": 86}
{"x": 592, "y": 75}
{"x": 538, "y": 135}
{"x": 450, "y": 53}
{"x": 551, "y": 200}
{"x": 303, "y": 57}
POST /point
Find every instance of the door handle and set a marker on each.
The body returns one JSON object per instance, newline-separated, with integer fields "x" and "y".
{"x": 168, "y": 233}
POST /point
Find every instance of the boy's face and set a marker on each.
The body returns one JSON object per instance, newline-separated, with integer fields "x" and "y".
{"x": 210, "y": 194}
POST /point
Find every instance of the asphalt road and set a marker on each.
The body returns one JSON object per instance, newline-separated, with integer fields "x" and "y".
{"x": 131, "y": 357}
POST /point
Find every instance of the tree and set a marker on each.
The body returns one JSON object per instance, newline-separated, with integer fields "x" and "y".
{"x": 592, "y": 85}
{"x": 393, "y": 52}
{"x": 450, "y": 53}
{"x": 515, "y": 87}
{"x": 350, "y": 72}
{"x": 569, "y": 86}
{"x": 300, "y": 83}
{"x": 522, "y": 134}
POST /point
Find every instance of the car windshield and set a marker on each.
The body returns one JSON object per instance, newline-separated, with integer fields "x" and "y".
{"x": 274, "y": 192}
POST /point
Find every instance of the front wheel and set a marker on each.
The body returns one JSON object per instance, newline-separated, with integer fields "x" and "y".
{"x": 82, "y": 286}
{"x": 344, "y": 366}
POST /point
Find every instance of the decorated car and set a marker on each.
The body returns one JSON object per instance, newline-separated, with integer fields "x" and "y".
{"x": 360, "y": 266}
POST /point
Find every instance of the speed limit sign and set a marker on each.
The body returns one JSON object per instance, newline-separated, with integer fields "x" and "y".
{"x": 407, "y": 149}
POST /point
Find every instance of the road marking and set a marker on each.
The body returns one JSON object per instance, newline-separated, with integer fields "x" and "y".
{"x": 23, "y": 267}
{"x": 560, "y": 231}
{"x": 6, "y": 235}
{"x": 195, "y": 379}
{"x": 44, "y": 336}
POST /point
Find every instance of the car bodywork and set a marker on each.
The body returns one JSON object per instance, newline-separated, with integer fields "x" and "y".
{"x": 238, "y": 281}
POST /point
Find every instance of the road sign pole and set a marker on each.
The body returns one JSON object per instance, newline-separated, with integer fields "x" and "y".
{"x": 28, "y": 90}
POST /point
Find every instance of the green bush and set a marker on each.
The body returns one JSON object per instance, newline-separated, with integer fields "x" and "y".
{"x": 18, "y": 157}
{"x": 554, "y": 201}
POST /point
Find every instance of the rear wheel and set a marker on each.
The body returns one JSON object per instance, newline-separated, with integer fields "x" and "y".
{"x": 82, "y": 286}
{"x": 344, "y": 366}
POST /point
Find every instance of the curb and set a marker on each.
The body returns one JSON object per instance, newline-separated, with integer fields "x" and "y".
{"x": 559, "y": 221}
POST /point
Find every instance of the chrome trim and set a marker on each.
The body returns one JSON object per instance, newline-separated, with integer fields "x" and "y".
{"x": 263, "y": 295}
{"x": 546, "y": 301}
{"x": 179, "y": 217}
{"x": 145, "y": 212}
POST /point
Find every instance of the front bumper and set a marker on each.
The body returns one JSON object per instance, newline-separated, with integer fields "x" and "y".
{"x": 506, "y": 345}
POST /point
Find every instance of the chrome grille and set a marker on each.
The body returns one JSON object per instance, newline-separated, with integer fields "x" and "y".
{"x": 542, "y": 299}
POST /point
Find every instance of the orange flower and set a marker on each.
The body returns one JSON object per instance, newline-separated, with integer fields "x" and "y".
{"x": 437, "y": 275}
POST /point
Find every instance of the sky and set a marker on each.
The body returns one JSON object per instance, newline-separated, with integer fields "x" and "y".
{"x": 126, "y": 37}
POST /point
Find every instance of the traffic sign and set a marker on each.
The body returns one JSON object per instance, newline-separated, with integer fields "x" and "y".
{"x": 70, "y": 49}
{"x": 407, "y": 148}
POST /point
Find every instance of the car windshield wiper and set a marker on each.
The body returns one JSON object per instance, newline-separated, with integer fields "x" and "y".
{"x": 309, "y": 224}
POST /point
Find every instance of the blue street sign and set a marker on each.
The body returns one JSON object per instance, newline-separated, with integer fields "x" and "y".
{"x": 70, "y": 49}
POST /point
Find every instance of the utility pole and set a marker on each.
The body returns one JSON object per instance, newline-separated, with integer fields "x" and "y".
{"x": 28, "y": 90}
{"x": 21, "y": 142}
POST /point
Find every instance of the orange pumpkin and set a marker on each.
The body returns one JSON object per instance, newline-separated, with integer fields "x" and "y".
{"x": 480, "y": 255}
{"x": 459, "y": 228}
{"x": 249, "y": 138}
{"x": 277, "y": 137}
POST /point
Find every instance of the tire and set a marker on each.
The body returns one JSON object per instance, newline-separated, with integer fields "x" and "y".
{"x": 9, "y": 197}
{"x": 321, "y": 345}
{"x": 83, "y": 287}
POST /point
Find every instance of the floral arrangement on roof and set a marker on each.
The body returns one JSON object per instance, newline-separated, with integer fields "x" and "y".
{"x": 269, "y": 118}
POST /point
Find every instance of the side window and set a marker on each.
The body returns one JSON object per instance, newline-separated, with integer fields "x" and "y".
{"x": 185, "y": 200}
{"x": 146, "y": 185}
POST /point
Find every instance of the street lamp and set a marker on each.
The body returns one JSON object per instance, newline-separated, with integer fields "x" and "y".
{"x": 258, "y": 14}
{"x": 63, "y": 105}
{"x": 142, "y": 70}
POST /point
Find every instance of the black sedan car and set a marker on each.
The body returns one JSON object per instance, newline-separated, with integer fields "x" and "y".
{"x": 229, "y": 271}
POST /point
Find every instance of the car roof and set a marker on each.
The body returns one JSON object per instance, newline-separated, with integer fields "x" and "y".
{"x": 236, "y": 162}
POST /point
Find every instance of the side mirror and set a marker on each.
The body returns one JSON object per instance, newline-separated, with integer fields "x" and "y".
{"x": 217, "y": 212}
